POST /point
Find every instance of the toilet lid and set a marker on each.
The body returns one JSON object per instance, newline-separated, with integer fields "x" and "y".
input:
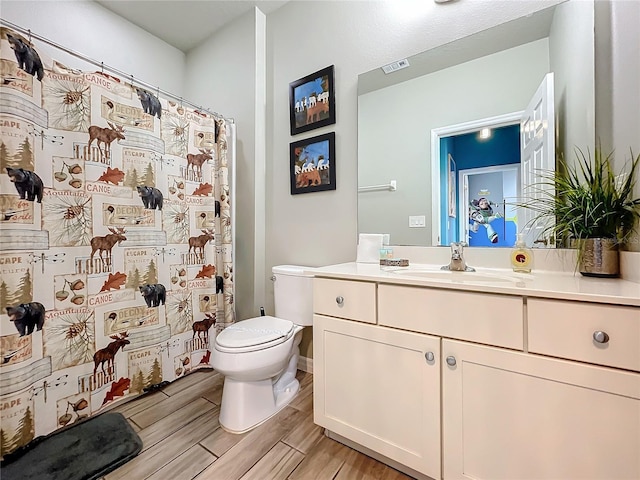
{"x": 255, "y": 332}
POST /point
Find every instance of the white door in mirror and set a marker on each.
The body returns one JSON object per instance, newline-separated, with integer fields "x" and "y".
{"x": 537, "y": 155}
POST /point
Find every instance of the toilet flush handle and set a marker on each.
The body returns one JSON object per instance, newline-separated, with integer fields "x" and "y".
{"x": 273, "y": 278}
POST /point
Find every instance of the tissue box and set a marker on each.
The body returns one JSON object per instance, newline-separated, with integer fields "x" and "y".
{"x": 369, "y": 245}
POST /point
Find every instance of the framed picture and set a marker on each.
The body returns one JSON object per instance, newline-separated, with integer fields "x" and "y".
{"x": 451, "y": 167}
{"x": 312, "y": 101}
{"x": 313, "y": 164}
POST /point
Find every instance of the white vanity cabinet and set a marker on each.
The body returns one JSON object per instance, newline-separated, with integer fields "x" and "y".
{"x": 378, "y": 387}
{"x": 509, "y": 415}
{"x": 530, "y": 387}
{"x": 606, "y": 335}
{"x": 480, "y": 317}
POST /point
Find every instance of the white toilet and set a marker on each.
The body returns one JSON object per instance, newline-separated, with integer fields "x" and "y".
{"x": 259, "y": 356}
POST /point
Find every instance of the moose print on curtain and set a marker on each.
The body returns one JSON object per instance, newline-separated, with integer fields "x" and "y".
{"x": 115, "y": 241}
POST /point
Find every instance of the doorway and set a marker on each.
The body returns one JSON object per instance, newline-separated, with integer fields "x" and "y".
{"x": 488, "y": 216}
{"x": 536, "y": 155}
{"x": 481, "y": 165}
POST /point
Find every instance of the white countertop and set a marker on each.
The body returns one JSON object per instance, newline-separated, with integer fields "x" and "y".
{"x": 561, "y": 286}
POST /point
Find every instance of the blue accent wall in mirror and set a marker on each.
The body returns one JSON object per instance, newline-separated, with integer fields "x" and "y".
{"x": 479, "y": 160}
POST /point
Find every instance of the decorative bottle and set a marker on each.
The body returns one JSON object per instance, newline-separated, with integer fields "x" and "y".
{"x": 521, "y": 256}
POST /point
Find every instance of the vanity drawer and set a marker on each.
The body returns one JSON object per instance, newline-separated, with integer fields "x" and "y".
{"x": 345, "y": 298}
{"x": 566, "y": 329}
{"x": 477, "y": 317}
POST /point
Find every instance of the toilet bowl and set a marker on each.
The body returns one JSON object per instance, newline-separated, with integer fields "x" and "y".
{"x": 259, "y": 356}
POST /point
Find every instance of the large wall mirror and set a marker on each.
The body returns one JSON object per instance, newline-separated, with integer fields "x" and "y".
{"x": 443, "y": 152}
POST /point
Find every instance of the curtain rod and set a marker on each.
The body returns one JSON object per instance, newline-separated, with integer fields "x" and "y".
{"x": 102, "y": 65}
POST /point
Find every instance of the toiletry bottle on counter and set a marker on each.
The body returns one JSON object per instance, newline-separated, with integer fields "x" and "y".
{"x": 521, "y": 256}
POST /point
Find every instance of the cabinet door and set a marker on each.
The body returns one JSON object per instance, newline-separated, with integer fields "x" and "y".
{"x": 509, "y": 415}
{"x": 375, "y": 386}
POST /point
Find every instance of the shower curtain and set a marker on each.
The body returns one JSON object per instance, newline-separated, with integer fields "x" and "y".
{"x": 116, "y": 258}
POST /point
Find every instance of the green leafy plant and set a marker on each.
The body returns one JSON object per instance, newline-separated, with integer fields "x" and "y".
{"x": 587, "y": 199}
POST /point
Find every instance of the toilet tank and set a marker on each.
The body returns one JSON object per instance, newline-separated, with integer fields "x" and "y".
{"x": 293, "y": 293}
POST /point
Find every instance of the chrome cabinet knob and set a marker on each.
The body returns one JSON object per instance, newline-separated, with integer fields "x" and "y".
{"x": 451, "y": 361}
{"x": 340, "y": 300}
{"x": 429, "y": 356}
{"x": 600, "y": 337}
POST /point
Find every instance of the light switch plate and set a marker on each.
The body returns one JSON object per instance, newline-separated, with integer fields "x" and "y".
{"x": 417, "y": 221}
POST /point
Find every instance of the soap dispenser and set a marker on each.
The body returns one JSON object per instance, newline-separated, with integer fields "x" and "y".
{"x": 521, "y": 256}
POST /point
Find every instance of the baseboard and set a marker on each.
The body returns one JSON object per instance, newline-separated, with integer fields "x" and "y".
{"x": 305, "y": 364}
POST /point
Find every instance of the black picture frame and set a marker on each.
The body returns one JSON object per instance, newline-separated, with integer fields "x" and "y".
{"x": 317, "y": 88}
{"x": 312, "y": 165}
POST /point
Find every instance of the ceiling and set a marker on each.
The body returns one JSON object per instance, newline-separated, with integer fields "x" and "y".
{"x": 500, "y": 37}
{"x": 185, "y": 23}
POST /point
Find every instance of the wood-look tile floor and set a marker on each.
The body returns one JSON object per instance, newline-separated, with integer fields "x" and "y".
{"x": 182, "y": 440}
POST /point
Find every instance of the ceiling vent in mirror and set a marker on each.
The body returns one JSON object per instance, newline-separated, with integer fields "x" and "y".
{"x": 395, "y": 66}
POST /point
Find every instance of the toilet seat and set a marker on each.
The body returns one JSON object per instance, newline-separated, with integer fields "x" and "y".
{"x": 254, "y": 334}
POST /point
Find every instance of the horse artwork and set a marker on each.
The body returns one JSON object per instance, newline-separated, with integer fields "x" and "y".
{"x": 312, "y": 101}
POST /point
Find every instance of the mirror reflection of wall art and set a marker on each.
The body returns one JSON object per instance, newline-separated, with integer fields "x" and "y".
{"x": 313, "y": 164}
{"x": 312, "y": 101}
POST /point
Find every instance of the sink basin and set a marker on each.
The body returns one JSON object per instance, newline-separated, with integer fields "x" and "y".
{"x": 456, "y": 276}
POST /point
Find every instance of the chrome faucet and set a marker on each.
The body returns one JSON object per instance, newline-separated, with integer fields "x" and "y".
{"x": 457, "y": 263}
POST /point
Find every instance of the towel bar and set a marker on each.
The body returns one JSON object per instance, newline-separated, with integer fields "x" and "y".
{"x": 391, "y": 186}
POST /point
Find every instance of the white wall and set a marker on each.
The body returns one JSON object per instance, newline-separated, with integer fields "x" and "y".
{"x": 625, "y": 61}
{"x": 303, "y": 37}
{"x": 93, "y": 31}
{"x": 617, "y": 87}
{"x": 626, "y": 89}
{"x": 227, "y": 73}
{"x": 572, "y": 58}
{"x": 395, "y": 126}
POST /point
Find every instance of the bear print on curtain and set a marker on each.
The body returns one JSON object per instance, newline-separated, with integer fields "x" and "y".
{"x": 115, "y": 241}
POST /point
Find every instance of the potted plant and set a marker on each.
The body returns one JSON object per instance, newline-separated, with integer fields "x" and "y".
{"x": 589, "y": 205}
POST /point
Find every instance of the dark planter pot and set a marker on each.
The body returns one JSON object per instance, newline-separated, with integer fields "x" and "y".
{"x": 599, "y": 257}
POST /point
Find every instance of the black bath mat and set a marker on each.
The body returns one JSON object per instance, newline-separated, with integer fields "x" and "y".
{"x": 87, "y": 450}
